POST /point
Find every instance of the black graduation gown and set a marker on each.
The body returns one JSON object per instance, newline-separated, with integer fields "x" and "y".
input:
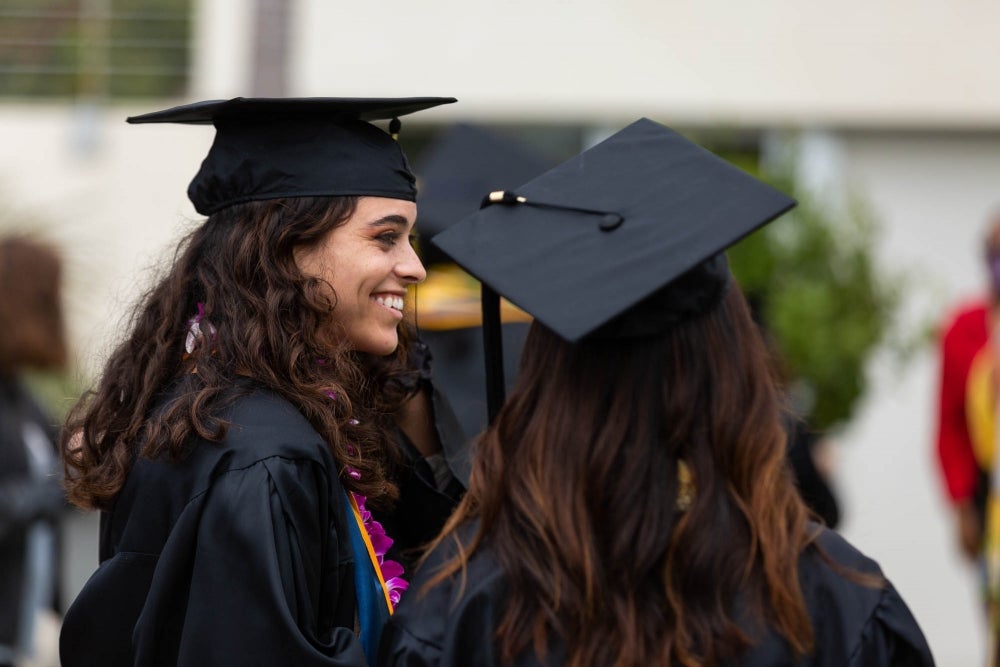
{"x": 814, "y": 488}
{"x": 237, "y": 555}
{"x": 422, "y": 509}
{"x": 24, "y": 500}
{"x": 854, "y": 625}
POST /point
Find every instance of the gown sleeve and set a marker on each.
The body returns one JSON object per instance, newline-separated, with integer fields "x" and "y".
{"x": 451, "y": 624}
{"x": 259, "y": 554}
{"x": 400, "y": 648}
{"x": 892, "y": 637}
{"x": 466, "y": 638}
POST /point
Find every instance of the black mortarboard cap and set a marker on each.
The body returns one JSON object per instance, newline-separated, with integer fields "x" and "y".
{"x": 267, "y": 148}
{"x": 624, "y": 239}
{"x": 463, "y": 163}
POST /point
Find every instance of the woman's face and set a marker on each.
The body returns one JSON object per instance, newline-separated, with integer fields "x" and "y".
{"x": 369, "y": 262}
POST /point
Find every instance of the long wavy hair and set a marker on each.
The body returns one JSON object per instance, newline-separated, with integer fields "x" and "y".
{"x": 576, "y": 489}
{"x": 263, "y": 320}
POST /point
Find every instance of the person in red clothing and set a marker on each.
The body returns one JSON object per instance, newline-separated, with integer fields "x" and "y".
{"x": 965, "y": 333}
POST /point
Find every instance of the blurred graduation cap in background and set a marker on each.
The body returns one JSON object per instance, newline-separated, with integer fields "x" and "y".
{"x": 269, "y": 148}
{"x": 454, "y": 171}
{"x": 624, "y": 240}
{"x": 461, "y": 163}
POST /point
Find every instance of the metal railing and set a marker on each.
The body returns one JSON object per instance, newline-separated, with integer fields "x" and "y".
{"x": 91, "y": 48}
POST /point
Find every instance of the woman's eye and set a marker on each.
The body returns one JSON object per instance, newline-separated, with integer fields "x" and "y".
{"x": 387, "y": 238}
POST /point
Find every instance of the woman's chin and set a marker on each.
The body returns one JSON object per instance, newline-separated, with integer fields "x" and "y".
{"x": 378, "y": 347}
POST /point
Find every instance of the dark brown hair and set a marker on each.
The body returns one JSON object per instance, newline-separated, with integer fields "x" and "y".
{"x": 271, "y": 324}
{"x": 31, "y": 319}
{"x": 576, "y": 488}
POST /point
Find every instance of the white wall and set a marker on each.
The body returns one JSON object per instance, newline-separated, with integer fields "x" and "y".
{"x": 772, "y": 62}
{"x": 221, "y": 41}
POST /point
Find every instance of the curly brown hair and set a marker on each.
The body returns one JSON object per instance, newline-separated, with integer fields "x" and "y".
{"x": 272, "y": 324}
{"x": 576, "y": 488}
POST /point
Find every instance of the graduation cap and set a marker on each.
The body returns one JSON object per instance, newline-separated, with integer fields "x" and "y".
{"x": 623, "y": 240}
{"x": 266, "y": 148}
{"x": 464, "y": 162}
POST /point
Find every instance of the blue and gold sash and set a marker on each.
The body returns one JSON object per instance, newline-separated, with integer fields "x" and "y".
{"x": 374, "y": 606}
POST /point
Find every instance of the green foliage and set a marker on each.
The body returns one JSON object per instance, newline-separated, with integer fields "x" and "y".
{"x": 822, "y": 296}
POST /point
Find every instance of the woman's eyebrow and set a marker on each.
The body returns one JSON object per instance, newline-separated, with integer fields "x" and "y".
{"x": 394, "y": 220}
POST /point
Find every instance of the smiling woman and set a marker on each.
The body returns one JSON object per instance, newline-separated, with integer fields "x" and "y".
{"x": 259, "y": 409}
{"x": 369, "y": 263}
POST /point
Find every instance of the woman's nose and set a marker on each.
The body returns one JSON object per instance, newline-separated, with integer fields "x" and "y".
{"x": 410, "y": 268}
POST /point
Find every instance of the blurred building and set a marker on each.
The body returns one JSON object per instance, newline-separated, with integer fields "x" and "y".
{"x": 898, "y": 103}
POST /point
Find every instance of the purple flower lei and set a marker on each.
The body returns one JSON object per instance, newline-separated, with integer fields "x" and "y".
{"x": 392, "y": 572}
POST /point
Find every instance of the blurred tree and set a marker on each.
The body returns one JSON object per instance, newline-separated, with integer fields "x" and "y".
{"x": 815, "y": 280}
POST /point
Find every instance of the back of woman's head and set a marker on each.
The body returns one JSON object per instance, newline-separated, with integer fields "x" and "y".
{"x": 577, "y": 487}
{"x": 259, "y": 318}
{"x": 31, "y": 322}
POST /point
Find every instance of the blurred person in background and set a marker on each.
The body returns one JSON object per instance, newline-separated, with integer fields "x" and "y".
{"x": 631, "y": 504}
{"x": 255, "y": 416}
{"x": 964, "y": 337}
{"x": 966, "y": 443}
{"x": 31, "y": 497}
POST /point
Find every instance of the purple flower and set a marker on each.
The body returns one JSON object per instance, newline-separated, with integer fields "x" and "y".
{"x": 396, "y": 585}
{"x": 380, "y": 542}
{"x": 195, "y": 335}
{"x": 391, "y": 571}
